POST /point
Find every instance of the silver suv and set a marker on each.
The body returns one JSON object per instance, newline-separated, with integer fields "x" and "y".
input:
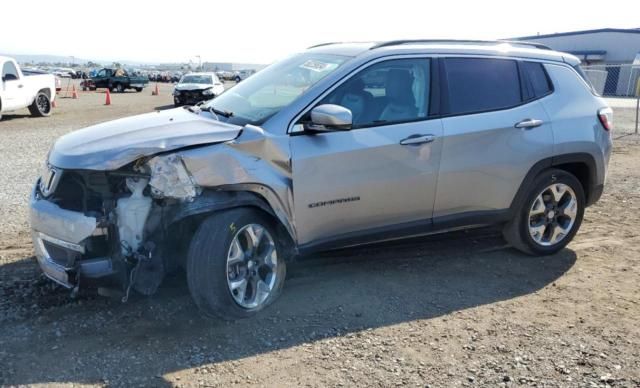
{"x": 341, "y": 145}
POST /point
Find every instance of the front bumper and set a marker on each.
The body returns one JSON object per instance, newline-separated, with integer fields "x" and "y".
{"x": 190, "y": 98}
{"x": 60, "y": 239}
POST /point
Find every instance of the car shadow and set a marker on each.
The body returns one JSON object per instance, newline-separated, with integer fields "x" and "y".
{"x": 327, "y": 295}
{"x": 13, "y": 116}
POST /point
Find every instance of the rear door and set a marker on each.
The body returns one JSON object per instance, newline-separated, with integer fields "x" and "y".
{"x": 495, "y": 130}
{"x": 380, "y": 174}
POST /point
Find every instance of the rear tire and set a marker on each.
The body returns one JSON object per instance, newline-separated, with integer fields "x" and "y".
{"x": 550, "y": 216}
{"x": 138, "y": 90}
{"x": 41, "y": 106}
{"x": 230, "y": 249}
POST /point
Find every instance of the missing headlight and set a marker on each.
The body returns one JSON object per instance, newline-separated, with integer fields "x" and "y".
{"x": 170, "y": 178}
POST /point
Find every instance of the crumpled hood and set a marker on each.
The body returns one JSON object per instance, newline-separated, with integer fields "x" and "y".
{"x": 193, "y": 86}
{"x": 113, "y": 144}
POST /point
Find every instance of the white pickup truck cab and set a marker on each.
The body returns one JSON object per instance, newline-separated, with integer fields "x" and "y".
{"x": 25, "y": 90}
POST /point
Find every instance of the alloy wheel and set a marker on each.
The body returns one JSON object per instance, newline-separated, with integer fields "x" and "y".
{"x": 553, "y": 214}
{"x": 252, "y": 263}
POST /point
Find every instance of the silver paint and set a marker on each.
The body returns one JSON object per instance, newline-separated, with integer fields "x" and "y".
{"x": 111, "y": 145}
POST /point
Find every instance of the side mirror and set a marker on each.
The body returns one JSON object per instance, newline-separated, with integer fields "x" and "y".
{"x": 329, "y": 118}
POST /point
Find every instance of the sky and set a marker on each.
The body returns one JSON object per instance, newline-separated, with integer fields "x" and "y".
{"x": 254, "y": 31}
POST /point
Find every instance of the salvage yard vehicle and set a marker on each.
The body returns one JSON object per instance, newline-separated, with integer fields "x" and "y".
{"x": 31, "y": 89}
{"x": 197, "y": 87}
{"x": 340, "y": 145}
{"x": 116, "y": 80}
{"x": 243, "y": 74}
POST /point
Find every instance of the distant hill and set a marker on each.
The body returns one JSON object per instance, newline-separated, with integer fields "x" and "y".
{"x": 37, "y": 58}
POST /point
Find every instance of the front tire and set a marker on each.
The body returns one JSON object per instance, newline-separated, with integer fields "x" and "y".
{"x": 41, "y": 106}
{"x": 235, "y": 264}
{"x": 550, "y": 216}
{"x": 119, "y": 88}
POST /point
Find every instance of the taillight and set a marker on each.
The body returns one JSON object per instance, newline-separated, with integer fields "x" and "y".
{"x": 606, "y": 118}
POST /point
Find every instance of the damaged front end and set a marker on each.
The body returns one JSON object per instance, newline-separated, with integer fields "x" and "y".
{"x": 78, "y": 218}
{"x": 126, "y": 228}
{"x": 104, "y": 228}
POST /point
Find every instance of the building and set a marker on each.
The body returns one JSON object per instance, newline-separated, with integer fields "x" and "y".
{"x": 607, "y": 54}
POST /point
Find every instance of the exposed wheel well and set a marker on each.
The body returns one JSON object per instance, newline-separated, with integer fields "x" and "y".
{"x": 581, "y": 171}
{"x": 180, "y": 233}
{"x": 45, "y": 91}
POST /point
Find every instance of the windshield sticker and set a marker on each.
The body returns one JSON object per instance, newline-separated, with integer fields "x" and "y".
{"x": 315, "y": 65}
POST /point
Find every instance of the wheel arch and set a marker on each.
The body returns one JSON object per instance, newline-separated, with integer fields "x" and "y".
{"x": 582, "y": 165}
{"x": 46, "y": 91}
{"x": 212, "y": 201}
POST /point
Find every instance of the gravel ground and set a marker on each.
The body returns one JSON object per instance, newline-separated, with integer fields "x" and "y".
{"x": 461, "y": 309}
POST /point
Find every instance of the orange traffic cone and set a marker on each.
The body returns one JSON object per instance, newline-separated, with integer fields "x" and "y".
{"x": 108, "y": 99}
{"x": 53, "y": 104}
{"x": 74, "y": 92}
{"x": 155, "y": 92}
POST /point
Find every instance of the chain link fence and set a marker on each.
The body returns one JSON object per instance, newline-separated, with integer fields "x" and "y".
{"x": 619, "y": 84}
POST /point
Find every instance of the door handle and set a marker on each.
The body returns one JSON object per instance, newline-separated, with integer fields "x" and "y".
{"x": 417, "y": 139}
{"x": 529, "y": 123}
{"x": 21, "y": 85}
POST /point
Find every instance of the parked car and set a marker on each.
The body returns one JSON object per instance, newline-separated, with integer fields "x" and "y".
{"x": 382, "y": 141}
{"x": 116, "y": 80}
{"x": 196, "y": 87}
{"x": 226, "y": 75}
{"x": 242, "y": 74}
{"x": 34, "y": 89}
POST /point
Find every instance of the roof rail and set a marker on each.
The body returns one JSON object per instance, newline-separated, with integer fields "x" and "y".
{"x": 409, "y": 41}
{"x": 322, "y": 44}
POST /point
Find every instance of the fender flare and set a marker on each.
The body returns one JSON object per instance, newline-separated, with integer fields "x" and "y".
{"x": 591, "y": 191}
{"x": 216, "y": 200}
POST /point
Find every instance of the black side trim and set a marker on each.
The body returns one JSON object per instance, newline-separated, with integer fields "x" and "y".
{"x": 406, "y": 230}
{"x": 368, "y": 236}
{"x": 475, "y": 218}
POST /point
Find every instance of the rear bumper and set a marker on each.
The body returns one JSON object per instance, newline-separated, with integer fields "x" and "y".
{"x": 60, "y": 241}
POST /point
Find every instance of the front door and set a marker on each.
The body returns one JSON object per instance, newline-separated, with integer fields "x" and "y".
{"x": 14, "y": 90}
{"x": 380, "y": 174}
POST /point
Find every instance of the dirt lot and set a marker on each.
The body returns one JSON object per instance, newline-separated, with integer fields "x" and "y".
{"x": 455, "y": 310}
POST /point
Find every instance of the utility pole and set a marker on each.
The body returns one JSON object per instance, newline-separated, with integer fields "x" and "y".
{"x": 199, "y": 62}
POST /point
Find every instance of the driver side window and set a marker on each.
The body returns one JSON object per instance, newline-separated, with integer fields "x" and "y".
{"x": 388, "y": 92}
{"x": 9, "y": 71}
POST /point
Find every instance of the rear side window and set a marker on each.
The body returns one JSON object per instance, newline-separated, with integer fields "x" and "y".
{"x": 586, "y": 79}
{"x": 539, "y": 84}
{"x": 482, "y": 84}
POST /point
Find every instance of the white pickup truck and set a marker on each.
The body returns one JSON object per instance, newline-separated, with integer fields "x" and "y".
{"x": 20, "y": 90}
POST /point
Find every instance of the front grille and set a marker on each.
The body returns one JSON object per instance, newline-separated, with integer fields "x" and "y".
{"x": 84, "y": 191}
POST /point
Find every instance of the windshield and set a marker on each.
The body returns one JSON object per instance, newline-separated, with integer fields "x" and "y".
{"x": 263, "y": 94}
{"x": 196, "y": 79}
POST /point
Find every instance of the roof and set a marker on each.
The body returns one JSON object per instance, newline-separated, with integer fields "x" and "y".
{"x": 583, "y": 32}
{"x": 440, "y": 46}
